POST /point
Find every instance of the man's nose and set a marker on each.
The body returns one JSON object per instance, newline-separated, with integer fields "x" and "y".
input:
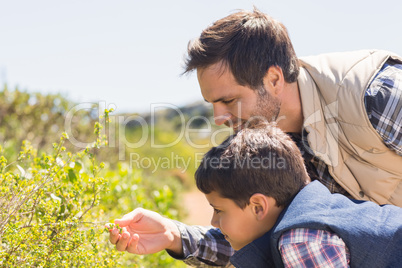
{"x": 221, "y": 119}
{"x": 221, "y": 115}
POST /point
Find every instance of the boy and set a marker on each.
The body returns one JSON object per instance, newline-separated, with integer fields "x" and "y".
{"x": 273, "y": 216}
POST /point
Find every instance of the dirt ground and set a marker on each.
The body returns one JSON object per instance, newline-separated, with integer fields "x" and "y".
{"x": 198, "y": 209}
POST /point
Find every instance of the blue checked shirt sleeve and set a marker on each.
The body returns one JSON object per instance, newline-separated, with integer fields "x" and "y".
{"x": 383, "y": 100}
{"x": 306, "y": 248}
{"x": 204, "y": 246}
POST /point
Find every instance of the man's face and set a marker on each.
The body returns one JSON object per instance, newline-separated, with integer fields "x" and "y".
{"x": 239, "y": 226}
{"x": 235, "y": 105}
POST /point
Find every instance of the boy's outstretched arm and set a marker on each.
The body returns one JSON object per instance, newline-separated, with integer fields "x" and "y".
{"x": 147, "y": 232}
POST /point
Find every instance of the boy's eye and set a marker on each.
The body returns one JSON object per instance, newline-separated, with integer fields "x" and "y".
{"x": 217, "y": 211}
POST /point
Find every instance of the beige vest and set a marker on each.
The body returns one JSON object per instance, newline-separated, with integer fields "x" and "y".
{"x": 332, "y": 89}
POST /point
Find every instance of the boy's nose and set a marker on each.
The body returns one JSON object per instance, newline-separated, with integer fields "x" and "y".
{"x": 214, "y": 222}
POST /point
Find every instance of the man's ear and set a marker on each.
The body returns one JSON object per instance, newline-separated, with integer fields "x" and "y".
{"x": 274, "y": 81}
{"x": 260, "y": 205}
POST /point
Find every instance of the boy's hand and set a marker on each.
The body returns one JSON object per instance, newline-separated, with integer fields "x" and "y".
{"x": 145, "y": 232}
{"x": 110, "y": 226}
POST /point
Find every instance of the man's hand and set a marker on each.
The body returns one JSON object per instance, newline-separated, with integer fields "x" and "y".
{"x": 146, "y": 232}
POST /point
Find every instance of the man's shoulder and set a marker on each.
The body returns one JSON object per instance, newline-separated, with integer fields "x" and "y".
{"x": 352, "y": 69}
{"x": 347, "y": 54}
{"x": 346, "y": 58}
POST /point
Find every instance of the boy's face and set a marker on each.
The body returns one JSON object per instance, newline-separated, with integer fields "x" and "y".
{"x": 240, "y": 226}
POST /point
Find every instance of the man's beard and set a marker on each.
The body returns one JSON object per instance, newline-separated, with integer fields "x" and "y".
{"x": 267, "y": 109}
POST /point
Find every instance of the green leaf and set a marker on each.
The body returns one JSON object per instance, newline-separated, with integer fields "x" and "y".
{"x": 71, "y": 175}
{"x": 78, "y": 166}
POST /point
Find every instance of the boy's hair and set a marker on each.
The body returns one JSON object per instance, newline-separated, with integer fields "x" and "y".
{"x": 260, "y": 159}
{"x": 247, "y": 43}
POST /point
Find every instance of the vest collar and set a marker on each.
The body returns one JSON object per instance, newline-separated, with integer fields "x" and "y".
{"x": 257, "y": 254}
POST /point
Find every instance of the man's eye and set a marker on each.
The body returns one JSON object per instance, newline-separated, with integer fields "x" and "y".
{"x": 227, "y": 101}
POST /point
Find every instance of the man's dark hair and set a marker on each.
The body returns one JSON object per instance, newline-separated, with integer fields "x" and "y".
{"x": 260, "y": 159}
{"x": 247, "y": 43}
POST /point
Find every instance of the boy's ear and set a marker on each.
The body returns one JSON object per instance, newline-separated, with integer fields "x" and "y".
{"x": 260, "y": 205}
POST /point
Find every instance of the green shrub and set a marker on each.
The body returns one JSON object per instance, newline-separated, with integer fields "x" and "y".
{"x": 40, "y": 119}
{"x": 54, "y": 207}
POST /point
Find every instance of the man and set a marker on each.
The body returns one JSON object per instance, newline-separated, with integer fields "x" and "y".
{"x": 342, "y": 109}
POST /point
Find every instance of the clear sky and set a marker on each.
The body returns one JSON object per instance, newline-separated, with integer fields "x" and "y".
{"x": 130, "y": 53}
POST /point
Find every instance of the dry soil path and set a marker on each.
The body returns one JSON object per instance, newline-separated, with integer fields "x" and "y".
{"x": 198, "y": 209}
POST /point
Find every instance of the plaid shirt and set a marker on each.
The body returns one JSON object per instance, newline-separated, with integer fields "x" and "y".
{"x": 306, "y": 248}
{"x": 206, "y": 247}
{"x": 301, "y": 247}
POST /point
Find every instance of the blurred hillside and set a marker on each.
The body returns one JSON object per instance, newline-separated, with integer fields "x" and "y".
{"x": 168, "y": 141}
{"x": 171, "y": 117}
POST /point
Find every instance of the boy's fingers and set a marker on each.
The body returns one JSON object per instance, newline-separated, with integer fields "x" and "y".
{"x": 132, "y": 217}
{"x": 133, "y": 244}
{"x": 126, "y": 220}
{"x": 123, "y": 222}
{"x": 114, "y": 236}
{"x": 122, "y": 243}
